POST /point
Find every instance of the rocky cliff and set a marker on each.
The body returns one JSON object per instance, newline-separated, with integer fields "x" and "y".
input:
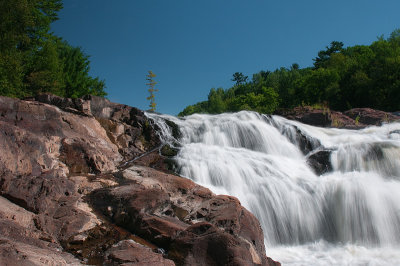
{"x": 83, "y": 181}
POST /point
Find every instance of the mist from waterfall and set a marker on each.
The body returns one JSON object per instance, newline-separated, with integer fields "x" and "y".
{"x": 349, "y": 215}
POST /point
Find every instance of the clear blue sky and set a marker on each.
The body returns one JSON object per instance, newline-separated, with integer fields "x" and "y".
{"x": 193, "y": 46}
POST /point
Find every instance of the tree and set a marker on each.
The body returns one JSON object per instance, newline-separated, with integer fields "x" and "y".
{"x": 260, "y": 77}
{"x": 325, "y": 55}
{"x": 295, "y": 66}
{"x": 239, "y": 78}
{"x": 24, "y": 27}
{"x": 215, "y": 101}
{"x": 46, "y": 76}
{"x": 151, "y": 83}
{"x": 25, "y": 23}
{"x": 33, "y": 60}
{"x": 343, "y": 78}
{"x": 76, "y": 66}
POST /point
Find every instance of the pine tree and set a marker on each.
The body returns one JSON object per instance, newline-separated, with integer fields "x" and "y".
{"x": 151, "y": 83}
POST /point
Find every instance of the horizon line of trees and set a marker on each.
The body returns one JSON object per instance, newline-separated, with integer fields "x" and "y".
{"x": 33, "y": 60}
{"x": 340, "y": 78}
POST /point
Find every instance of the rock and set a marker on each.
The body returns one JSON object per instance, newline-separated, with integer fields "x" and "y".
{"x": 173, "y": 212}
{"x": 340, "y": 120}
{"x": 128, "y": 252}
{"x": 50, "y": 151}
{"x": 307, "y": 115}
{"x": 356, "y": 118}
{"x": 17, "y": 253}
{"x": 205, "y": 244}
{"x": 304, "y": 142}
{"x": 370, "y": 116}
{"x": 168, "y": 151}
{"x": 176, "y": 133}
{"x": 21, "y": 243}
{"x": 320, "y": 161}
{"x": 78, "y": 106}
{"x": 127, "y": 127}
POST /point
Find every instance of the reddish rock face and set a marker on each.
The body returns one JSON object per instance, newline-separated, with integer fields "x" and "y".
{"x": 370, "y": 116}
{"x": 192, "y": 224}
{"x": 353, "y": 119}
{"x": 57, "y": 153}
{"x": 128, "y": 252}
{"x": 49, "y": 156}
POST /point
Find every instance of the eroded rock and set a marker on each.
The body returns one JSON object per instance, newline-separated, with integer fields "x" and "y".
{"x": 192, "y": 224}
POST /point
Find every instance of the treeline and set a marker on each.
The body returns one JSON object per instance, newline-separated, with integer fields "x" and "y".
{"x": 33, "y": 60}
{"x": 341, "y": 79}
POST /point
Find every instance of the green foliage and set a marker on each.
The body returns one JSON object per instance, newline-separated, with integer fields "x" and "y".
{"x": 45, "y": 74}
{"x": 342, "y": 78}
{"x": 76, "y": 66}
{"x": 215, "y": 101}
{"x": 325, "y": 55}
{"x": 32, "y": 60}
{"x": 265, "y": 102}
{"x": 199, "y": 107}
{"x": 357, "y": 120}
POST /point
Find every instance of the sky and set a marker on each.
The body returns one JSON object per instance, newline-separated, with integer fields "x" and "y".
{"x": 193, "y": 46}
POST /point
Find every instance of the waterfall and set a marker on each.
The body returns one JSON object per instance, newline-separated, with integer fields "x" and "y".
{"x": 348, "y": 215}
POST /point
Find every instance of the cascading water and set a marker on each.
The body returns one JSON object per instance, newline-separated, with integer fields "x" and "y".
{"x": 348, "y": 216}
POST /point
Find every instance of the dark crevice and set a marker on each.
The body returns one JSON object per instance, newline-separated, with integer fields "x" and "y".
{"x": 20, "y": 202}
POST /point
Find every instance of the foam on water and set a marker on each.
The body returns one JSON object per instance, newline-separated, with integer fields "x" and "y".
{"x": 350, "y": 216}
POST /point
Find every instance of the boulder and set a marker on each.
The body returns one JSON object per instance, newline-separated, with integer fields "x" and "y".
{"x": 307, "y": 115}
{"x": 194, "y": 226}
{"x": 370, "y": 116}
{"x": 320, "y": 162}
{"x": 126, "y": 127}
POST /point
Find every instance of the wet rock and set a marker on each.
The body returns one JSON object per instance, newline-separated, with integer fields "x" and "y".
{"x": 168, "y": 151}
{"x": 176, "y": 133}
{"x": 305, "y": 143}
{"x": 320, "y": 161}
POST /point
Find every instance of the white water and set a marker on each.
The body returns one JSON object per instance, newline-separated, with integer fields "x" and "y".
{"x": 349, "y": 216}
